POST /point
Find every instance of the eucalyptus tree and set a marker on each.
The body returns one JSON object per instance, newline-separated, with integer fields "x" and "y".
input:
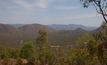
{"x": 45, "y": 54}
{"x": 100, "y": 6}
{"x": 100, "y": 37}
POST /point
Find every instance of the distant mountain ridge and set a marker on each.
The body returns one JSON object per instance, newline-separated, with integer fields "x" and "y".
{"x": 17, "y": 25}
{"x": 9, "y": 30}
{"x": 61, "y": 27}
{"x": 70, "y": 27}
{"x": 10, "y": 35}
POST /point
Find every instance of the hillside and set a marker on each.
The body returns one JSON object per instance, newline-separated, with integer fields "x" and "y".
{"x": 12, "y": 36}
{"x": 9, "y": 35}
{"x": 35, "y": 28}
{"x": 8, "y": 30}
{"x": 70, "y": 27}
{"x": 100, "y": 29}
{"x": 64, "y": 37}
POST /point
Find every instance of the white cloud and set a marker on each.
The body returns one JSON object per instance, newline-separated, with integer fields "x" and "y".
{"x": 22, "y": 3}
{"x": 66, "y": 7}
{"x": 42, "y": 3}
{"x": 21, "y": 7}
{"x": 34, "y": 3}
{"x": 46, "y": 3}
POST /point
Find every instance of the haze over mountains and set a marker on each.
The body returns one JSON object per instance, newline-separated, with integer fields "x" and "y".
{"x": 16, "y": 34}
{"x": 71, "y": 27}
{"x": 62, "y": 27}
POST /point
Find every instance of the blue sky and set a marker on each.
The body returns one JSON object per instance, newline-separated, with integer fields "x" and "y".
{"x": 48, "y": 12}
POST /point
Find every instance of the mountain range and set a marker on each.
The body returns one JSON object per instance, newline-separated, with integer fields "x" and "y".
{"x": 12, "y": 35}
{"x": 62, "y": 27}
{"x": 71, "y": 27}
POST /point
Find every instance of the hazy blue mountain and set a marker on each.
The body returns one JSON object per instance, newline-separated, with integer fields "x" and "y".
{"x": 70, "y": 27}
{"x": 17, "y": 25}
{"x": 61, "y": 27}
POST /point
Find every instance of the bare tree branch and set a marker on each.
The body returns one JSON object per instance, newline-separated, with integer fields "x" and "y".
{"x": 96, "y": 8}
{"x": 99, "y": 3}
{"x": 100, "y": 6}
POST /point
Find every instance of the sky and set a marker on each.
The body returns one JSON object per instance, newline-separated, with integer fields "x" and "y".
{"x": 48, "y": 12}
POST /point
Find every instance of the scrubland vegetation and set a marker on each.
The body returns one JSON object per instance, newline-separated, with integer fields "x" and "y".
{"x": 88, "y": 50}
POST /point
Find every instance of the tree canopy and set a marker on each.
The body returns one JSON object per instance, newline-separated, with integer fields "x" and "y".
{"x": 27, "y": 51}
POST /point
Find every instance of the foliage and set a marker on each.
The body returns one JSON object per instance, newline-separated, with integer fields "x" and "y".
{"x": 104, "y": 24}
{"x": 46, "y": 56}
{"x": 44, "y": 50}
{"x": 81, "y": 56}
{"x": 31, "y": 61}
{"x": 101, "y": 37}
{"x": 3, "y": 52}
{"x": 13, "y": 53}
{"x": 92, "y": 46}
{"x": 89, "y": 50}
{"x": 19, "y": 61}
{"x": 42, "y": 39}
{"x": 98, "y": 45}
{"x": 82, "y": 42}
{"x": 27, "y": 51}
